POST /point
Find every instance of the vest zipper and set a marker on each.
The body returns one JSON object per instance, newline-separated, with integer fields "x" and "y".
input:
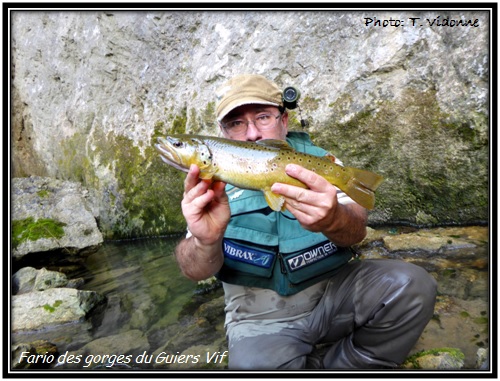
{"x": 282, "y": 263}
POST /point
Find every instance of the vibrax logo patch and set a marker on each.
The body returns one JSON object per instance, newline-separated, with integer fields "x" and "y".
{"x": 314, "y": 255}
{"x": 245, "y": 254}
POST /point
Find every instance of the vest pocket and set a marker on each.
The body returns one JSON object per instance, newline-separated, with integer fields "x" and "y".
{"x": 314, "y": 262}
{"x": 253, "y": 261}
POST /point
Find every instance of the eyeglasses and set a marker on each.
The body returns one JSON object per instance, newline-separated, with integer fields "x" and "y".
{"x": 263, "y": 122}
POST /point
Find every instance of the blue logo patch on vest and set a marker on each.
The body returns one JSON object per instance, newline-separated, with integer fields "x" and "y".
{"x": 248, "y": 255}
{"x": 311, "y": 256}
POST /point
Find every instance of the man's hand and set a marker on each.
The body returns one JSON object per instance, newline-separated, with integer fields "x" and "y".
{"x": 317, "y": 208}
{"x": 205, "y": 207}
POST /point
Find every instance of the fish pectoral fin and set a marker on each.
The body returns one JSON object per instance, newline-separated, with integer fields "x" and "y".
{"x": 275, "y": 201}
{"x": 274, "y": 143}
{"x": 330, "y": 157}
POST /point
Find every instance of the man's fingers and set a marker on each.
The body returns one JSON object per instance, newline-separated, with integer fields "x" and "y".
{"x": 309, "y": 178}
{"x": 294, "y": 194}
{"x": 192, "y": 178}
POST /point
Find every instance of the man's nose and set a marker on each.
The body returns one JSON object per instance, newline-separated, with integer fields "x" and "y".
{"x": 253, "y": 133}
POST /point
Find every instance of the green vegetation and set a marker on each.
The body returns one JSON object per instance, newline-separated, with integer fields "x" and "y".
{"x": 481, "y": 320}
{"x": 179, "y": 123}
{"x": 31, "y": 230}
{"x": 73, "y": 163}
{"x": 43, "y": 193}
{"x": 47, "y": 307}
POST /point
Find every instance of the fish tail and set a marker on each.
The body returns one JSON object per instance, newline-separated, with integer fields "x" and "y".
{"x": 361, "y": 186}
{"x": 367, "y": 179}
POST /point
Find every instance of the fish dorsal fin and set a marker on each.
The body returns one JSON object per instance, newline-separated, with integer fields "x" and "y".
{"x": 275, "y": 201}
{"x": 274, "y": 143}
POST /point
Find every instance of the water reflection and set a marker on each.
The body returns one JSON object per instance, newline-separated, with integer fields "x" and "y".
{"x": 143, "y": 287}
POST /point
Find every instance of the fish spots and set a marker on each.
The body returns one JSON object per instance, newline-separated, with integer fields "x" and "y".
{"x": 205, "y": 155}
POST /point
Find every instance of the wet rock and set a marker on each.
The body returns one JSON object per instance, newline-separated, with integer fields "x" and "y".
{"x": 448, "y": 239}
{"x": 442, "y": 358}
{"x": 204, "y": 327}
{"x": 462, "y": 283}
{"x": 46, "y": 279}
{"x": 212, "y": 311}
{"x": 141, "y": 313}
{"x": 41, "y": 309}
{"x": 50, "y": 214}
{"x": 30, "y": 279}
{"x": 208, "y": 285}
{"x": 39, "y": 354}
{"x": 483, "y": 359}
{"x": 110, "y": 351}
{"x": 405, "y": 242}
{"x": 114, "y": 316}
{"x": 132, "y": 342}
{"x": 24, "y": 280}
{"x": 194, "y": 333}
{"x": 75, "y": 283}
{"x": 457, "y": 323}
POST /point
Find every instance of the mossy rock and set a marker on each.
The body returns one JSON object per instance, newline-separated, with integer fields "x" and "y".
{"x": 140, "y": 195}
{"x": 438, "y": 358}
{"x": 435, "y": 168}
{"x": 29, "y": 229}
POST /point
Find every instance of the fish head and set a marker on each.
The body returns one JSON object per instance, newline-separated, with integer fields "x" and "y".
{"x": 180, "y": 151}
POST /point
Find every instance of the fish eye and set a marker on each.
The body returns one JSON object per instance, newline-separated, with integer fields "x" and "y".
{"x": 177, "y": 144}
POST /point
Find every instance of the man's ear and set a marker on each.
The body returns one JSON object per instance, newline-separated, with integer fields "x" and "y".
{"x": 284, "y": 120}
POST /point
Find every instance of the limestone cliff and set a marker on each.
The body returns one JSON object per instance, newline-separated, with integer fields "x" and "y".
{"x": 403, "y": 93}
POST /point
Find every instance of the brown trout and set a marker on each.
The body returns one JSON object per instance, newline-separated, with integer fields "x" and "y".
{"x": 258, "y": 165}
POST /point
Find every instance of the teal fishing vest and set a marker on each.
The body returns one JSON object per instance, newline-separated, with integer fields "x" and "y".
{"x": 268, "y": 249}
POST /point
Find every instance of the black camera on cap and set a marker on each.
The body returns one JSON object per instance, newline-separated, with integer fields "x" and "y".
{"x": 290, "y": 97}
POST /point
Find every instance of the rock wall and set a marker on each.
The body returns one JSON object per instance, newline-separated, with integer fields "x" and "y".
{"x": 92, "y": 90}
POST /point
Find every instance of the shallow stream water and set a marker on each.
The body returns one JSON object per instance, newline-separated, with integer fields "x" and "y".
{"x": 143, "y": 287}
{"x": 145, "y": 291}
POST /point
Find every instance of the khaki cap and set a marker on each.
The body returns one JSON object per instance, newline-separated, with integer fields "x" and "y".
{"x": 247, "y": 89}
